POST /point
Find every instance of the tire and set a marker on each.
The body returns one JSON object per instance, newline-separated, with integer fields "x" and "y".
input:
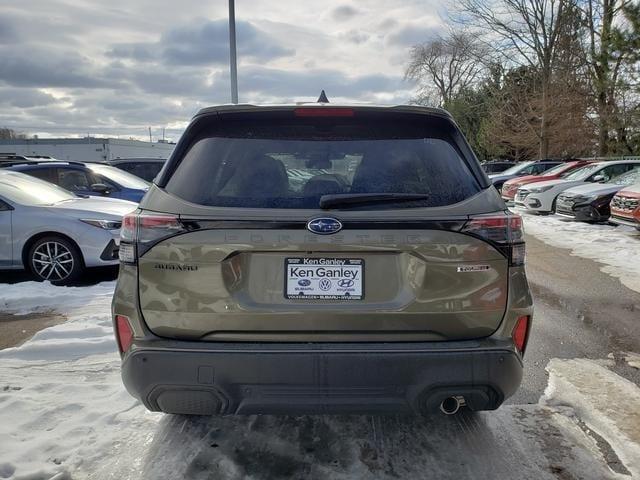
{"x": 55, "y": 259}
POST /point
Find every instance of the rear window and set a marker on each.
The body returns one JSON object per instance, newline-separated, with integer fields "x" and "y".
{"x": 282, "y": 165}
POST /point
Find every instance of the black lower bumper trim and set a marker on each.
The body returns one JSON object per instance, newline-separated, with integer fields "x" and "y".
{"x": 278, "y": 382}
{"x": 110, "y": 252}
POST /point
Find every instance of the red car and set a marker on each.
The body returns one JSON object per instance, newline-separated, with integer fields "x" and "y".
{"x": 510, "y": 187}
{"x": 625, "y": 207}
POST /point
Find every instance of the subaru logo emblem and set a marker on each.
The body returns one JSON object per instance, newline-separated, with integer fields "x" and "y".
{"x": 304, "y": 282}
{"x": 324, "y": 226}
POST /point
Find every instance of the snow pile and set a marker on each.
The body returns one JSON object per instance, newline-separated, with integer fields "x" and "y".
{"x": 90, "y": 332}
{"x": 63, "y": 408}
{"x": 67, "y": 417}
{"x": 632, "y": 359}
{"x": 617, "y": 247}
{"x": 26, "y": 297}
{"x": 603, "y": 400}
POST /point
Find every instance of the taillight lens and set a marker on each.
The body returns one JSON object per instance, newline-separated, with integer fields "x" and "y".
{"x": 141, "y": 231}
{"x": 128, "y": 228}
{"x": 505, "y": 231}
{"x": 636, "y": 214}
{"x": 520, "y": 333}
{"x": 124, "y": 333}
{"x": 154, "y": 227}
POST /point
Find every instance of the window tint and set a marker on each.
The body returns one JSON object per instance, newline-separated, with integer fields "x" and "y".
{"x": 541, "y": 167}
{"x": 559, "y": 169}
{"x": 581, "y": 174}
{"x": 613, "y": 171}
{"x": 46, "y": 174}
{"x": 26, "y": 190}
{"x": 629, "y": 178}
{"x": 74, "y": 180}
{"x": 524, "y": 168}
{"x": 118, "y": 176}
{"x": 112, "y": 186}
{"x": 145, "y": 170}
{"x": 296, "y": 172}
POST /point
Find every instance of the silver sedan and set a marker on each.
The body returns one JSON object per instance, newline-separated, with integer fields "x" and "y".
{"x": 54, "y": 233}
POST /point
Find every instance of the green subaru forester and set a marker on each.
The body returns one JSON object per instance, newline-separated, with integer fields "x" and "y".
{"x": 321, "y": 258}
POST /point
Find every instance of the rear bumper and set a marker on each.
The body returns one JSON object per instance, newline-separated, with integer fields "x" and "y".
{"x": 203, "y": 378}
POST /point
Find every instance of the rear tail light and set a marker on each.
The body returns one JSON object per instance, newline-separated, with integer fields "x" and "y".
{"x": 504, "y": 231}
{"x": 124, "y": 333}
{"x": 520, "y": 333}
{"x": 636, "y": 214}
{"x": 140, "y": 231}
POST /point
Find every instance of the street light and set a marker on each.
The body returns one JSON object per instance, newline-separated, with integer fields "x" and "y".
{"x": 233, "y": 67}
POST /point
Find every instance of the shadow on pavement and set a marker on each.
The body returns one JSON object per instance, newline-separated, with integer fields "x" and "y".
{"x": 92, "y": 276}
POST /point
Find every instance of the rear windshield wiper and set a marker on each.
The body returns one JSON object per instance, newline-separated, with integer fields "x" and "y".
{"x": 347, "y": 199}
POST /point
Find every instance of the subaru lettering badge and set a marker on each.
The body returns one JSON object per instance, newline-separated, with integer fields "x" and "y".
{"x": 324, "y": 226}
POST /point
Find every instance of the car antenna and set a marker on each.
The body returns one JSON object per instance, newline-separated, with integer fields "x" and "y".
{"x": 323, "y": 97}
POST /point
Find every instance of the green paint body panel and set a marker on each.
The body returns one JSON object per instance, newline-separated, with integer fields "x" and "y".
{"x": 233, "y": 287}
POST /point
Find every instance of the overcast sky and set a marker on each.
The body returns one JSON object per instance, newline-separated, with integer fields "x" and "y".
{"x": 71, "y": 67}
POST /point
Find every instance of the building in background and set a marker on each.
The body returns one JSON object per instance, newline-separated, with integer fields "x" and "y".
{"x": 86, "y": 149}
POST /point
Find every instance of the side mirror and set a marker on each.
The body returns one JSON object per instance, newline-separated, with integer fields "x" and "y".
{"x": 100, "y": 188}
{"x": 598, "y": 178}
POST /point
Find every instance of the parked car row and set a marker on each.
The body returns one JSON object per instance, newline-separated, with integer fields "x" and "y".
{"x": 59, "y": 217}
{"x": 144, "y": 168}
{"x": 53, "y": 232}
{"x": 91, "y": 179}
{"x": 585, "y": 191}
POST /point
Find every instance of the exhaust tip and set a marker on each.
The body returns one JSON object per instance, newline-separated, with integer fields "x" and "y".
{"x": 451, "y": 405}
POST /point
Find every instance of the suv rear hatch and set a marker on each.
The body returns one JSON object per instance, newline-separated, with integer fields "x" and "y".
{"x": 409, "y": 244}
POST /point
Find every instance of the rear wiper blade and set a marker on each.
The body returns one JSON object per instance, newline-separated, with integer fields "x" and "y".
{"x": 347, "y": 199}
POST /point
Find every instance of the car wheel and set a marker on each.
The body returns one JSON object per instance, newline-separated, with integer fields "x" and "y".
{"x": 55, "y": 259}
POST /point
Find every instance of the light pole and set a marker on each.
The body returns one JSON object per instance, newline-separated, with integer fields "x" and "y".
{"x": 233, "y": 66}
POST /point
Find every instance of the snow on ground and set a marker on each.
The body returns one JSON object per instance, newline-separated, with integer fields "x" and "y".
{"x": 602, "y": 400}
{"x": 633, "y": 360}
{"x": 25, "y": 297}
{"x": 618, "y": 248}
{"x": 64, "y": 415}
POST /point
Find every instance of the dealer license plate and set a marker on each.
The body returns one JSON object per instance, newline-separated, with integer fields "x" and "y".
{"x": 324, "y": 278}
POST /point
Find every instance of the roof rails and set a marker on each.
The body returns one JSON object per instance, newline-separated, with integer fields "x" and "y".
{"x": 27, "y": 161}
{"x": 12, "y": 156}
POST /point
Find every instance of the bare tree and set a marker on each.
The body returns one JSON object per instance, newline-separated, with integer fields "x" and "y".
{"x": 445, "y": 66}
{"x": 8, "y": 133}
{"x": 526, "y": 33}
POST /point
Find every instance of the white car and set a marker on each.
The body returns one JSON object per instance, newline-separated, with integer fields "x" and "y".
{"x": 540, "y": 197}
{"x": 54, "y": 233}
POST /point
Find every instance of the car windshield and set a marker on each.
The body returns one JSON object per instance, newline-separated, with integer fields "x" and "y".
{"x": 120, "y": 177}
{"x": 516, "y": 168}
{"x": 628, "y": 178}
{"x": 555, "y": 170}
{"x": 26, "y": 190}
{"x": 295, "y": 166}
{"x": 583, "y": 172}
